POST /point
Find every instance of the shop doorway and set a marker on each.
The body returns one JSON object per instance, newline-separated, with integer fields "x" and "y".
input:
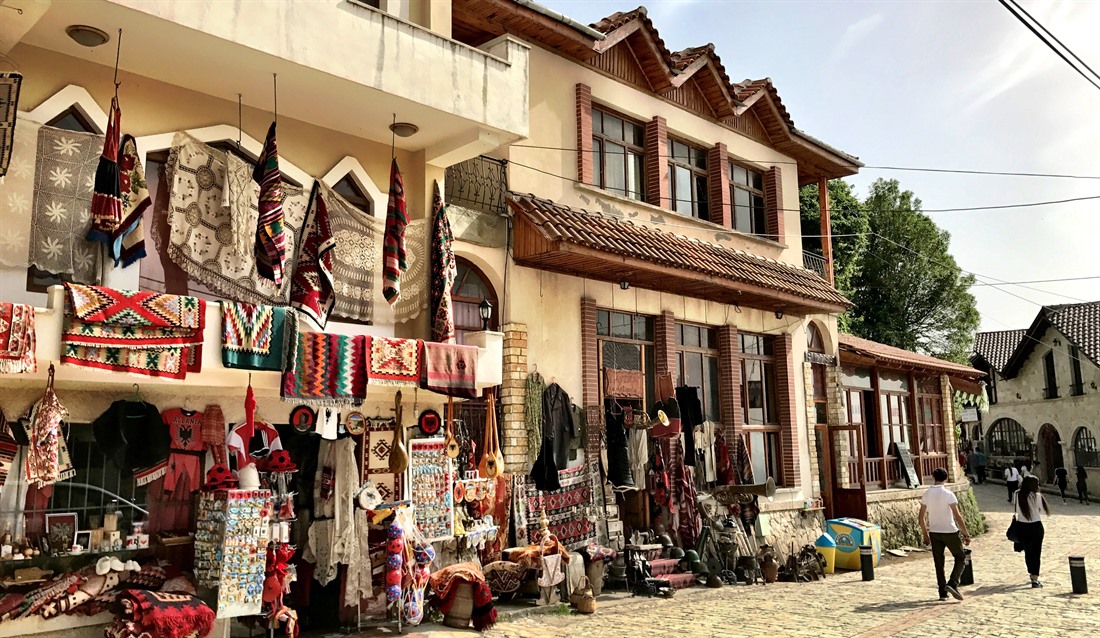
{"x": 1050, "y": 452}
{"x": 847, "y": 492}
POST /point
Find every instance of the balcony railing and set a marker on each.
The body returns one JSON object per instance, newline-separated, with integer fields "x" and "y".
{"x": 479, "y": 184}
{"x": 814, "y": 262}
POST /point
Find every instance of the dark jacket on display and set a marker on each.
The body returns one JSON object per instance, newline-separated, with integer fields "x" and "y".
{"x": 557, "y": 433}
{"x": 132, "y": 435}
{"x": 691, "y": 415}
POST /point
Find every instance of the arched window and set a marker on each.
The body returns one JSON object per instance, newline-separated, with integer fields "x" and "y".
{"x": 1085, "y": 449}
{"x": 813, "y": 339}
{"x": 470, "y": 288}
{"x": 1008, "y": 438}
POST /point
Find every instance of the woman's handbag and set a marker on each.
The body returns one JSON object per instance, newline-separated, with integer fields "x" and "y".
{"x": 1013, "y": 531}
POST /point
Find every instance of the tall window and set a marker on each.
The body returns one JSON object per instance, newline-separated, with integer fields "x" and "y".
{"x": 1008, "y": 438}
{"x": 815, "y": 344}
{"x": 470, "y": 288}
{"x": 894, "y": 407}
{"x": 747, "y": 195}
{"x": 933, "y": 435}
{"x": 1084, "y": 448}
{"x": 859, "y": 405}
{"x": 618, "y": 149}
{"x": 1078, "y": 387}
{"x": 759, "y": 405}
{"x": 1051, "y": 390}
{"x": 625, "y": 342}
{"x": 697, "y": 364}
{"x": 687, "y": 174}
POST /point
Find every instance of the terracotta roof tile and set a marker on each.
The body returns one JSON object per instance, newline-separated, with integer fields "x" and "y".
{"x": 997, "y": 347}
{"x": 618, "y": 19}
{"x": 620, "y": 237}
{"x": 1080, "y": 323}
{"x": 890, "y": 354}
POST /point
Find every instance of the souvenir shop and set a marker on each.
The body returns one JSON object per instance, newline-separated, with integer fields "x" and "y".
{"x": 180, "y": 465}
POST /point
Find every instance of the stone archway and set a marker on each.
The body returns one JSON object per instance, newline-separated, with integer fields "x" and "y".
{"x": 1050, "y": 452}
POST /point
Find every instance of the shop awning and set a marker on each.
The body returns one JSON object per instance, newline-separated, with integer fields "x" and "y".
{"x": 576, "y": 242}
{"x": 857, "y": 351}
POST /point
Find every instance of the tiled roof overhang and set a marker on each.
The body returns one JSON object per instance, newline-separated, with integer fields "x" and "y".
{"x": 576, "y": 242}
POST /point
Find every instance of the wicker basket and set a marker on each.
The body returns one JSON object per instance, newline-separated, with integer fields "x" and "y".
{"x": 462, "y": 607}
{"x": 583, "y": 598}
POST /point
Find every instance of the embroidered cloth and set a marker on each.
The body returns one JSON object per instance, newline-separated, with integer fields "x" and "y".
{"x": 65, "y": 172}
{"x": 166, "y": 614}
{"x": 128, "y": 240}
{"x": 444, "y": 272}
{"x": 9, "y": 104}
{"x": 329, "y": 370}
{"x": 356, "y": 257}
{"x": 202, "y": 237}
{"x": 106, "y": 198}
{"x": 141, "y": 332}
{"x": 17, "y": 338}
{"x": 238, "y": 194}
{"x": 569, "y": 509}
{"x": 414, "y": 297}
{"x": 393, "y": 249}
{"x": 312, "y": 289}
{"x": 270, "y": 236}
{"x": 44, "y": 462}
{"x": 394, "y": 361}
{"x": 258, "y": 337}
{"x": 450, "y": 369}
{"x": 375, "y": 460}
{"x": 17, "y": 195}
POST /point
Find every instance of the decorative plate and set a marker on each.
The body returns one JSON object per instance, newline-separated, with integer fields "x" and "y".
{"x": 429, "y": 422}
{"x": 355, "y": 423}
{"x": 303, "y": 418}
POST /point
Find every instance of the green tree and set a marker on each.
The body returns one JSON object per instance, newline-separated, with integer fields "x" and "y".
{"x": 908, "y": 291}
{"x": 850, "y": 227}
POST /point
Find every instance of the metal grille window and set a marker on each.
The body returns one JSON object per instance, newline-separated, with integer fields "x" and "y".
{"x": 1008, "y": 438}
{"x": 1084, "y": 448}
{"x": 747, "y": 195}
{"x": 625, "y": 342}
{"x": 687, "y": 174}
{"x": 618, "y": 150}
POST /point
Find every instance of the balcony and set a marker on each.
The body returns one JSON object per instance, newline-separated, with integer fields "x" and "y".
{"x": 340, "y": 64}
{"x": 814, "y": 262}
{"x": 479, "y": 184}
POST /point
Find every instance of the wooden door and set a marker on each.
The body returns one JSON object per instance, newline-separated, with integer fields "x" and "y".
{"x": 848, "y": 494}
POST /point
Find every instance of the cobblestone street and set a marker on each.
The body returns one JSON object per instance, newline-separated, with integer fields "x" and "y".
{"x": 902, "y": 601}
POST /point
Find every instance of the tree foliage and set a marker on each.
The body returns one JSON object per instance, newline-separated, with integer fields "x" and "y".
{"x": 907, "y": 289}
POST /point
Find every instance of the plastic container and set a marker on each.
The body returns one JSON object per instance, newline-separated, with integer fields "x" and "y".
{"x": 826, "y": 546}
{"x": 849, "y": 534}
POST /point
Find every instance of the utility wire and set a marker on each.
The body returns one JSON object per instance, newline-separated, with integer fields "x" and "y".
{"x": 920, "y": 169}
{"x": 925, "y": 210}
{"x": 1037, "y": 281}
{"x": 1016, "y": 11}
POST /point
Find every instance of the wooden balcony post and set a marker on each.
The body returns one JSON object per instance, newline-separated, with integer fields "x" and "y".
{"x": 826, "y": 228}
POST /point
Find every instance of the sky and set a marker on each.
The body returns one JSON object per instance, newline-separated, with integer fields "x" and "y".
{"x": 943, "y": 84}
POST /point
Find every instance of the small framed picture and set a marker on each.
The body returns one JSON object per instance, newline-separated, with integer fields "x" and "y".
{"x": 84, "y": 540}
{"x": 61, "y": 531}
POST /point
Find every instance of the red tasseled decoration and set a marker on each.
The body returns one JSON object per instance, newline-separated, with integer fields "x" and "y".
{"x": 484, "y": 615}
{"x": 249, "y": 416}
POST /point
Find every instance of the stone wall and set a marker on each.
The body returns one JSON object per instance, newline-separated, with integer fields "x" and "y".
{"x": 895, "y": 511}
{"x": 792, "y": 525}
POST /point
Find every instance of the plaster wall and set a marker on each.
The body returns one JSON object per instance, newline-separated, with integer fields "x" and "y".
{"x": 551, "y": 173}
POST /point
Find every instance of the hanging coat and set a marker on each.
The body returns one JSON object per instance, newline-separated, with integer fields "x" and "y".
{"x": 557, "y": 430}
{"x": 691, "y": 415}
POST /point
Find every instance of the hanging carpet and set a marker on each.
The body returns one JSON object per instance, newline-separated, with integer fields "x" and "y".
{"x": 258, "y": 337}
{"x": 202, "y": 240}
{"x": 356, "y": 257}
{"x": 65, "y": 172}
{"x": 450, "y": 369}
{"x": 444, "y": 272}
{"x": 106, "y": 199}
{"x": 394, "y": 362}
{"x": 146, "y": 333}
{"x": 312, "y": 286}
{"x": 328, "y": 370}
{"x": 414, "y": 283}
{"x": 128, "y": 240}
{"x": 17, "y": 195}
{"x": 270, "y": 235}
{"x": 568, "y": 509}
{"x": 17, "y": 341}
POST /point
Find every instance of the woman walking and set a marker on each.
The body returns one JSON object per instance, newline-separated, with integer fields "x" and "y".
{"x": 1030, "y": 507}
{"x": 1062, "y": 481}
{"x": 1082, "y": 485}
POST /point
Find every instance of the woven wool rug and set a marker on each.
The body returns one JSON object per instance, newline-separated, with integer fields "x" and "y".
{"x": 17, "y": 195}
{"x": 17, "y": 341}
{"x": 568, "y": 509}
{"x": 394, "y": 362}
{"x": 329, "y": 370}
{"x": 312, "y": 286}
{"x": 258, "y": 337}
{"x": 65, "y": 171}
{"x": 146, "y": 333}
{"x": 203, "y": 237}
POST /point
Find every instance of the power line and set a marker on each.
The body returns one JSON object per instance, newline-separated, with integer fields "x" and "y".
{"x": 1040, "y": 281}
{"x": 1055, "y": 38}
{"x": 924, "y": 211}
{"x": 1013, "y": 8}
{"x": 919, "y": 169}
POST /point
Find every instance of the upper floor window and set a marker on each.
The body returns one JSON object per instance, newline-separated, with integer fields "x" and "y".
{"x": 1078, "y": 387}
{"x": 687, "y": 175}
{"x": 747, "y": 195}
{"x": 470, "y": 288}
{"x": 618, "y": 149}
{"x": 1051, "y": 391}
{"x": 697, "y": 364}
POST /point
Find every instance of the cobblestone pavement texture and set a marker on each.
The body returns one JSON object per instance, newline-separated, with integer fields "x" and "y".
{"x": 901, "y": 602}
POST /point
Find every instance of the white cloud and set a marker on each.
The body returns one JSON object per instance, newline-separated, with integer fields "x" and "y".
{"x": 853, "y": 34}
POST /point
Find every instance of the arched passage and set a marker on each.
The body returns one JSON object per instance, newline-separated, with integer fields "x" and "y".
{"x": 1050, "y": 453}
{"x": 1008, "y": 441}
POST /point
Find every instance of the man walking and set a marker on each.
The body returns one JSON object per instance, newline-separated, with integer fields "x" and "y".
{"x": 981, "y": 465}
{"x": 972, "y": 463}
{"x": 943, "y": 527}
{"x": 1012, "y": 480}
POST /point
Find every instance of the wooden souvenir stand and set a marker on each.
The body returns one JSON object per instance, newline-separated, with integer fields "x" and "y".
{"x": 230, "y": 550}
